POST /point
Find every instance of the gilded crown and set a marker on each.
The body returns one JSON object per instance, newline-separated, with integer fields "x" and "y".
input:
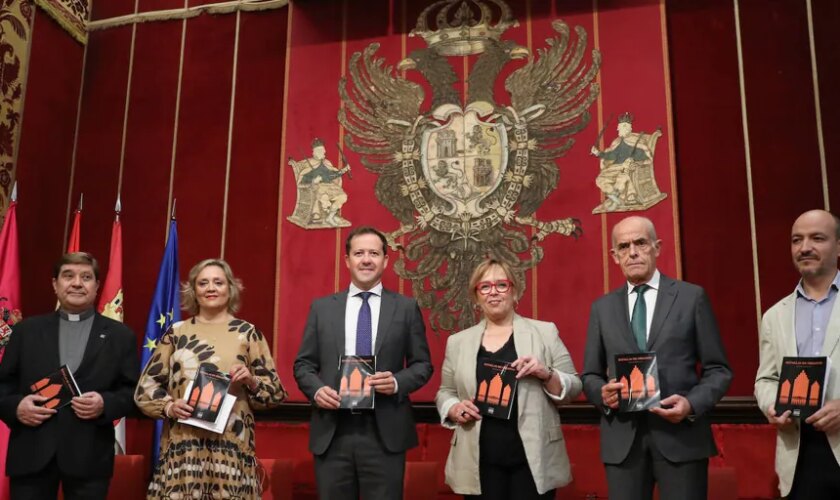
{"x": 625, "y": 118}
{"x": 463, "y": 27}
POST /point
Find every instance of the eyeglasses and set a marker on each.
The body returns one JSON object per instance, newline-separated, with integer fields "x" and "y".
{"x": 642, "y": 244}
{"x": 501, "y": 286}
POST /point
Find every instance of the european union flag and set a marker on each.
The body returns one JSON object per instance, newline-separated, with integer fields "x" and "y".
{"x": 166, "y": 309}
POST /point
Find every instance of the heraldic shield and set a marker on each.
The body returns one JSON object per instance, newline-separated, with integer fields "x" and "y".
{"x": 464, "y": 160}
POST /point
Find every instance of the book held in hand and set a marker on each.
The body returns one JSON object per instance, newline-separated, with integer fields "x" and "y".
{"x": 496, "y": 383}
{"x": 639, "y": 378}
{"x": 354, "y": 374}
{"x": 211, "y": 402}
{"x": 802, "y": 385}
{"x": 59, "y": 386}
{"x": 206, "y": 394}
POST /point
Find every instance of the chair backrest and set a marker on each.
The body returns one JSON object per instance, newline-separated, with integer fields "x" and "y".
{"x": 277, "y": 481}
{"x": 129, "y": 480}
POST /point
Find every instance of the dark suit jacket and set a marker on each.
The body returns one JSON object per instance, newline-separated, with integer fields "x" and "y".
{"x": 683, "y": 334}
{"x": 83, "y": 448}
{"x": 401, "y": 348}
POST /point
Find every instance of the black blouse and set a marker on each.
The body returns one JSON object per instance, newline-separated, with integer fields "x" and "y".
{"x": 499, "y": 441}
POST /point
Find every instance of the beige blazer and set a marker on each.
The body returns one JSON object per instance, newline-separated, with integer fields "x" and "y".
{"x": 539, "y": 422}
{"x": 777, "y": 340}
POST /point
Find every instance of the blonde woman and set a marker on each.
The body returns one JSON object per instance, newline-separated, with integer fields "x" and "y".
{"x": 196, "y": 463}
{"x": 523, "y": 457}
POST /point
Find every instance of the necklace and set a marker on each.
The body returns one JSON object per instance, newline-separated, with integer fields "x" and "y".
{"x": 225, "y": 319}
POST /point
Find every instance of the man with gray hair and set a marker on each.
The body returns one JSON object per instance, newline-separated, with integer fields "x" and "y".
{"x": 72, "y": 445}
{"x": 806, "y": 323}
{"x": 669, "y": 445}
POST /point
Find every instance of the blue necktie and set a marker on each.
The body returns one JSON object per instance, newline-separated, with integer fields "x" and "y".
{"x": 638, "y": 323}
{"x": 364, "y": 327}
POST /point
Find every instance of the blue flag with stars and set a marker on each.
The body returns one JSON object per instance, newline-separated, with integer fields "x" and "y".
{"x": 166, "y": 309}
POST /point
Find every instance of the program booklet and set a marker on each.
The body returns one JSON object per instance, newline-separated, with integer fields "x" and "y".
{"x": 211, "y": 402}
{"x": 639, "y": 377}
{"x": 802, "y": 385}
{"x": 59, "y": 386}
{"x": 354, "y": 374}
{"x": 496, "y": 382}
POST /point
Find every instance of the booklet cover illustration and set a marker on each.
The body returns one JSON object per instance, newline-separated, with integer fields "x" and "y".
{"x": 206, "y": 394}
{"x": 354, "y": 384}
{"x": 802, "y": 385}
{"x": 496, "y": 388}
{"x": 639, "y": 378}
{"x": 59, "y": 386}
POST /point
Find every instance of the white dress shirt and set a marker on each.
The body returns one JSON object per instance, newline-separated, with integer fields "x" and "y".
{"x": 351, "y": 316}
{"x": 650, "y": 300}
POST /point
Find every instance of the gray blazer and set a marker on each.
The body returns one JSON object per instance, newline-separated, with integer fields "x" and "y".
{"x": 401, "y": 348}
{"x": 539, "y": 422}
{"x": 777, "y": 340}
{"x": 683, "y": 333}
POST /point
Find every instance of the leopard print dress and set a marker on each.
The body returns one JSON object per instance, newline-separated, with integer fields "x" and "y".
{"x": 195, "y": 463}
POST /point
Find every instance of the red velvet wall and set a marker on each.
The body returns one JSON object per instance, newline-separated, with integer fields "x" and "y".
{"x": 241, "y": 216}
{"x": 44, "y": 158}
{"x": 720, "y": 245}
{"x": 200, "y": 168}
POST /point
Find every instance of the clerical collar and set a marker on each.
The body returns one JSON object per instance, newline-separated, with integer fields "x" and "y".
{"x": 75, "y": 317}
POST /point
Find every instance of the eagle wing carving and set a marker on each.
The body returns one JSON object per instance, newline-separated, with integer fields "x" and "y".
{"x": 559, "y": 82}
{"x": 379, "y": 111}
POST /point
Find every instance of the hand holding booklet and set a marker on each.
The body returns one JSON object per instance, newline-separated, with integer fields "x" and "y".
{"x": 211, "y": 402}
{"x": 354, "y": 382}
{"x": 59, "y": 386}
{"x": 802, "y": 384}
{"x": 496, "y": 382}
{"x": 639, "y": 377}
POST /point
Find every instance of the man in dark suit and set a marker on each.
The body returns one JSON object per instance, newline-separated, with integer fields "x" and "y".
{"x": 72, "y": 445}
{"x": 669, "y": 445}
{"x": 363, "y": 452}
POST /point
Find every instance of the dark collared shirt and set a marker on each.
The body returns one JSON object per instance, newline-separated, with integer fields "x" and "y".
{"x": 73, "y": 333}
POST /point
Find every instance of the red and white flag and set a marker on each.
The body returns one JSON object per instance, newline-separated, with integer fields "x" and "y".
{"x": 111, "y": 302}
{"x": 9, "y": 307}
{"x": 73, "y": 242}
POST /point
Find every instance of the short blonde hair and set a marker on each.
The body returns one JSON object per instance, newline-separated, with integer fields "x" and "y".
{"x": 485, "y": 266}
{"x": 189, "y": 302}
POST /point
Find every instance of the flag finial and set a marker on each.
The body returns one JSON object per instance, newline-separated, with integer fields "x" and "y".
{"x": 13, "y": 198}
{"x": 81, "y": 202}
{"x": 174, "y": 203}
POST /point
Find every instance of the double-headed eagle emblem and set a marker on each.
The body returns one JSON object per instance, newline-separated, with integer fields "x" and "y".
{"x": 465, "y": 176}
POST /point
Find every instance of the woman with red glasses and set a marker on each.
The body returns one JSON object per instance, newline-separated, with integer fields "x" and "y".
{"x": 501, "y": 382}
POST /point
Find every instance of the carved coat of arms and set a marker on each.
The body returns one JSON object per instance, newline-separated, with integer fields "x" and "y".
{"x": 465, "y": 178}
